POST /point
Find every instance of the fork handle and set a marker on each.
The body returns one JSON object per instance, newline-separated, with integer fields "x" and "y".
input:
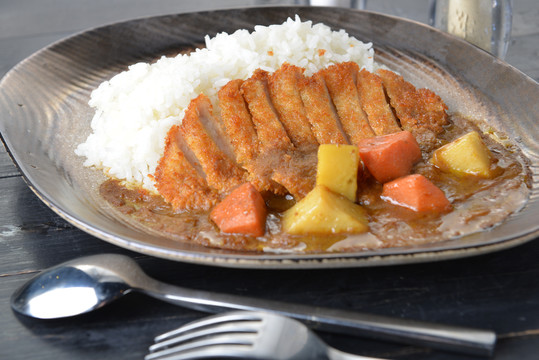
{"x": 445, "y": 337}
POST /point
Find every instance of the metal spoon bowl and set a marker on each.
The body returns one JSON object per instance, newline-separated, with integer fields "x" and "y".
{"x": 85, "y": 284}
{"x": 76, "y": 287}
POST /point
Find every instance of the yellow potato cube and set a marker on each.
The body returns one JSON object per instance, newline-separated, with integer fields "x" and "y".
{"x": 467, "y": 155}
{"x": 324, "y": 212}
{"x": 337, "y": 168}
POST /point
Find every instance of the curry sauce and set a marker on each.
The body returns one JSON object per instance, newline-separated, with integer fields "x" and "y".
{"x": 477, "y": 204}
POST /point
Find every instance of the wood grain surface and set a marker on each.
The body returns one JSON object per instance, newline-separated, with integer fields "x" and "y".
{"x": 498, "y": 291}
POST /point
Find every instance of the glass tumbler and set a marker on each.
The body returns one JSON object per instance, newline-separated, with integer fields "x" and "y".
{"x": 485, "y": 23}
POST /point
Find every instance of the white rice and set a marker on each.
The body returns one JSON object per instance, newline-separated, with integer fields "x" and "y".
{"x": 135, "y": 109}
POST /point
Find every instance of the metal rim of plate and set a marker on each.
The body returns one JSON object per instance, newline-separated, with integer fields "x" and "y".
{"x": 44, "y": 114}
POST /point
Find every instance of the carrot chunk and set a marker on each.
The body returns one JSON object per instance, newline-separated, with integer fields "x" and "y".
{"x": 243, "y": 211}
{"x": 391, "y": 156}
{"x": 416, "y": 192}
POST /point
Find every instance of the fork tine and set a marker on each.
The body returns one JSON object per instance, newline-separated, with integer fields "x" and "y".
{"x": 204, "y": 331}
{"x": 231, "y": 344}
{"x": 208, "y": 321}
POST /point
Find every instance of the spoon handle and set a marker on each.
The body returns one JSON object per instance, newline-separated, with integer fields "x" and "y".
{"x": 445, "y": 337}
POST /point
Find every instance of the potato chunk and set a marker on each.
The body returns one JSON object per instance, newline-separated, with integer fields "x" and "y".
{"x": 324, "y": 212}
{"x": 467, "y": 155}
{"x": 337, "y": 169}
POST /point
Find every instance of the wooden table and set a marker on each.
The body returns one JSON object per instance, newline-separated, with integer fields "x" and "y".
{"x": 498, "y": 291}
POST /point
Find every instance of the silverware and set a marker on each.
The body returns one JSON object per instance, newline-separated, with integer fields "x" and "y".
{"x": 88, "y": 283}
{"x": 245, "y": 334}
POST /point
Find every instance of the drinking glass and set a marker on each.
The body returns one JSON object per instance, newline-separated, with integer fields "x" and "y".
{"x": 485, "y": 23}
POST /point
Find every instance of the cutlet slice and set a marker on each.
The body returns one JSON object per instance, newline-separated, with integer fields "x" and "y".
{"x": 341, "y": 83}
{"x": 271, "y": 132}
{"x": 421, "y": 112}
{"x": 177, "y": 180}
{"x": 285, "y": 95}
{"x": 296, "y": 171}
{"x": 242, "y": 134}
{"x": 277, "y": 151}
{"x": 320, "y": 111}
{"x": 374, "y": 102}
{"x": 237, "y": 122}
{"x": 221, "y": 172}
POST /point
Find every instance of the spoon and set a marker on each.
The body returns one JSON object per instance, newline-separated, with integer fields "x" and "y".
{"x": 88, "y": 283}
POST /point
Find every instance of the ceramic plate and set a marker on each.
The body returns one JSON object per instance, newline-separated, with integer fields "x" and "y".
{"x": 44, "y": 114}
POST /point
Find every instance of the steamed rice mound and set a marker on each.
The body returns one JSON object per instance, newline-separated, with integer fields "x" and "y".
{"x": 135, "y": 109}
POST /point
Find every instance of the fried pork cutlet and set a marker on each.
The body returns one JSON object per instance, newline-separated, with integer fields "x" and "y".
{"x": 178, "y": 181}
{"x": 374, "y": 102}
{"x": 271, "y": 132}
{"x": 243, "y": 136}
{"x": 221, "y": 172}
{"x": 285, "y": 95}
{"x": 274, "y": 124}
{"x": 422, "y": 112}
{"x": 320, "y": 111}
{"x": 341, "y": 83}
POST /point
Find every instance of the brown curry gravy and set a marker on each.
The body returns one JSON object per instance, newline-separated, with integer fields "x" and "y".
{"x": 477, "y": 204}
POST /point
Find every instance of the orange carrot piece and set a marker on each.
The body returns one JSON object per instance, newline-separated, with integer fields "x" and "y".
{"x": 243, "y": 211}
{"x": 391, "y": 156}
{"x": 416, "y": 192}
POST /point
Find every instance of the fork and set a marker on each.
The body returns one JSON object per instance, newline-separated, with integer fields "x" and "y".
{"x": 245, "y": 334}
